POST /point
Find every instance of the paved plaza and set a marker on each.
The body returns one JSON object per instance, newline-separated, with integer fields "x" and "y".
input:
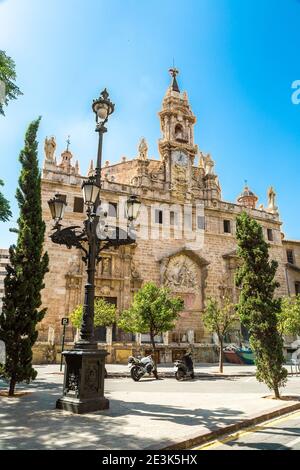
{"x": 142, "y": 415}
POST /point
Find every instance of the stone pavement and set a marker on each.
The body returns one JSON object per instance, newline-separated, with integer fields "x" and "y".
{"x": 142, "y": 415}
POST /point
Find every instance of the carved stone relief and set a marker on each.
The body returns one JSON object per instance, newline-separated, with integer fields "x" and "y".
{"x": 181, "y": 274}
{"x": 106, "y": 266}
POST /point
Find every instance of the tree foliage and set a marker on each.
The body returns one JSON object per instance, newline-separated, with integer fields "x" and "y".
{"x": 154, "y": 311}
{"x": 220, "y": 318}
{"x": 289, "y": 316}
{"x": 258, "y": 307}
{"x": 25, "y": 276}
{"x": 105, "y": 314}
{"x": 7, "y": 81}
{"x": 5, "y": 212}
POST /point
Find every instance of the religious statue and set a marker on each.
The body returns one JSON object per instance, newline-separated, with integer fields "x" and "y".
{"x": 209, "y": 165}
{"x": 106, "y": 266}
{"x": 49, "y": 148}
{"x": 143, "y": 149}
{"x": 272, "y": 200}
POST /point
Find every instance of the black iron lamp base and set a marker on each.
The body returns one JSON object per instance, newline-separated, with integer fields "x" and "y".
{"x": 79, "y": 407}
{"x": 84, "y": 381}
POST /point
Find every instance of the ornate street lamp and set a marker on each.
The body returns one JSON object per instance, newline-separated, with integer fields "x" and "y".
{"x": 132, "y": 208}
{"x": 57, "y": 207}
{"x": 84, "y": 371}
{"x": 90, "y": 191}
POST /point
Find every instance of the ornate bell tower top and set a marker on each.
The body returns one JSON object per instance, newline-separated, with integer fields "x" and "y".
{"x": 176, "y": 147}
{"x": 177, "y": 119}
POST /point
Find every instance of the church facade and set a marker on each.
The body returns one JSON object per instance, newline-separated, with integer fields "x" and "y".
{"x": 185, "y": 239}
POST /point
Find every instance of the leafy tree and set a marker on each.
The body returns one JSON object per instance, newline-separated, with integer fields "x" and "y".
{"x": 5, "y": 212}
{"x": 219, "y": 318}
{"x": 25, "y": 276}
{"x": 289, "y": 316}
{"x": 153, "y": 311}
{"x": 258, "y": 308}
{"x": 7, "y": 81}
{"x": 105, "y": 314}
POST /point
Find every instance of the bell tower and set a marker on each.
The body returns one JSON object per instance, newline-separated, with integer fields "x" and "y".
{"x": 176, "y": 147}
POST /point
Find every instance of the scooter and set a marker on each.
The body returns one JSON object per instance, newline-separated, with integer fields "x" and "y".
{"x": 141, "y": 366}
{"x": 182, "y": 372}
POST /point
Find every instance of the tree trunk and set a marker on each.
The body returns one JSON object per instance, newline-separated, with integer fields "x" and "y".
{"x": 276, "y": 392}
{"x": 154, "y": 360}
{"x": 12, "y": 386}
{"x": 221, "y": 356}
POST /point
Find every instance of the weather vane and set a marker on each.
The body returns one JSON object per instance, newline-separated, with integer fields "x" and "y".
{"x": 174, "y": 71}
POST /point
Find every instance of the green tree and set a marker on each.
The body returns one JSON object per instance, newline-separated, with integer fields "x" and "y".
{"x": 105, "y": 314}
{"x": 8, "y": 77}
{"x": 154, "y": 311}
{"x": 5, "y": 212}
{"x": 289, "y": 316}
{"x": 219, "y": 318}
{"x": 25, "y": 276}
{"x": 258, "y": 307}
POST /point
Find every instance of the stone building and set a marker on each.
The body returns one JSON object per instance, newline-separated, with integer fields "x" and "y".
{"x": 185, "y": 236}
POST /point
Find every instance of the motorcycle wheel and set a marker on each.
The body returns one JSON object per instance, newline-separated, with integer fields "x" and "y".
{"x": 179, "y": 375}
{"x": 135, "y": 374}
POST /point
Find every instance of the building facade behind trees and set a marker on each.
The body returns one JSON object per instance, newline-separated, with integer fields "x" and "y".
{"x": 186, "y": 237}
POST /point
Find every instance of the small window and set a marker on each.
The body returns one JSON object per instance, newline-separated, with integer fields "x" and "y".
{"x": 270, "y": 234}
{"x": 297, "y": 288}
{"x": 112, "y": 209}
{"x": 78, "y": 204}
{"x": 201, "y": 222}
{"x": 290, "y": 256}
{"x": 158, "y": 216}
{"x": 173, "y": 218}
{"x": 227, "y": 226}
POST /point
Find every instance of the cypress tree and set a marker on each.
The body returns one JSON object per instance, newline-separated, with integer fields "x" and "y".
{"x": 258, "y": 307}
{"x": 25, "y": 275}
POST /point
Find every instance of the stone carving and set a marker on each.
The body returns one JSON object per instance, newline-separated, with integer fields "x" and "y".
{"x": 158, "y": 175}
{"x": 134, "y": 272}
{"x": 272, "y": 201}
{"x": 209, "y": 165}
{"x": 105, "y": 290}
{"x": 106, "y": 266}
{"x": 180, "y": 173}
{"x": 143, "y": 149}
{"x": 181, "y": 274}
{"x": 49, "y": 148}
{"x": 75, "y": 267}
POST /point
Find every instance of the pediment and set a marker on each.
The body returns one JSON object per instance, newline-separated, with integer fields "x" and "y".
{"x": 195, "y": 255}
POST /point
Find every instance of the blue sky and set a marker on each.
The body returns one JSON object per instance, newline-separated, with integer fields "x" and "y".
{"x": 237, "y": 58}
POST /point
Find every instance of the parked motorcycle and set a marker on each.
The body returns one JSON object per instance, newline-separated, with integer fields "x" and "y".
{"x": 141, "y": 366}
{"x": 184, "y": 369}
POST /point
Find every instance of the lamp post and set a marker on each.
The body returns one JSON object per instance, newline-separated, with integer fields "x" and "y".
{"x": 83, "y": 389}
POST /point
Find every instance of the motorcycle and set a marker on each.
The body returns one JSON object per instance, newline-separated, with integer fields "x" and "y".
{"x": 141, "y": 366}
{"x": 182, "y": 372}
